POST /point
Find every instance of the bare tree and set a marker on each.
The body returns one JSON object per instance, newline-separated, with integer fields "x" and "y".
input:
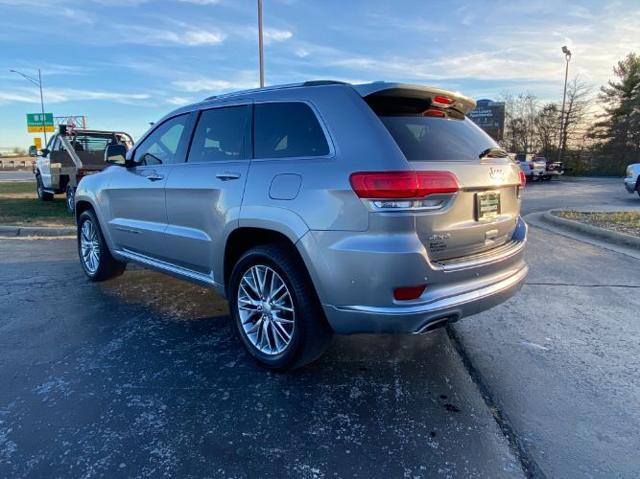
{"x": 520, "y": 123}
{"x": 547, "y": 124}
{"x": 576, "y": 113}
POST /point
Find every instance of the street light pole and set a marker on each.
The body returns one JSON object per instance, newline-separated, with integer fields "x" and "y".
{"x": 44, "y": 129}
{"x": 260, "y": 46}
{"x": 567, "y": 57}
{"x": 38, "y": 83}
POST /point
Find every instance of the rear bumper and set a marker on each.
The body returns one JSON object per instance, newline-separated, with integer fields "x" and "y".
{"x": 355, "y": 277}
{"x": 417, "y": 318}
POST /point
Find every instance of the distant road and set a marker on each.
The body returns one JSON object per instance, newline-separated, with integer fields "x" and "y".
{"x": 16, "y": 175}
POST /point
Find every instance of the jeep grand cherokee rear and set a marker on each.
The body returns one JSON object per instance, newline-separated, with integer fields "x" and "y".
{"x": 444, "y": 236}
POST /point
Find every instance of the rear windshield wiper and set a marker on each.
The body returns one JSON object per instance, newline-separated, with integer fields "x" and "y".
{"x": 492, "y": 153}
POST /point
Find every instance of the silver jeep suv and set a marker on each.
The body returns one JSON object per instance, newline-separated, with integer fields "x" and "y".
{"x": 315, "y": 208}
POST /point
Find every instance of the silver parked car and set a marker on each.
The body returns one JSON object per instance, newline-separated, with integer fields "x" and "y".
{"x": 316, "y": 208}
{"x": 632, "y": 178}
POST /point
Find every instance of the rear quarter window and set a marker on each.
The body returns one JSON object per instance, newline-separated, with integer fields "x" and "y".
{"x": 286, "y": 130}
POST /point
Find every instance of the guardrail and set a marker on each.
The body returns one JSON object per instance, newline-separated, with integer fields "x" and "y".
{"x": 15, "y": 162}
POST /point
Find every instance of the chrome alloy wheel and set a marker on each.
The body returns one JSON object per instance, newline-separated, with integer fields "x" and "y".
{"x": 266, "y": 310}
{"x": 90, "y": 246}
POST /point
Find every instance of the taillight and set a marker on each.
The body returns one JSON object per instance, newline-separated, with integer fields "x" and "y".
{"x": 523, "y": 179}
{"x": 440, "y": 100}
{"x": 403, "y": 184}
{"x": 408, "y": 293}
{"x": 434, "y": 113}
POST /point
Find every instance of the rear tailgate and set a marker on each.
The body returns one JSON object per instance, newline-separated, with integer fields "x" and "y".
{"x": 431, "y": 129}
{"x": 481, "y": 216}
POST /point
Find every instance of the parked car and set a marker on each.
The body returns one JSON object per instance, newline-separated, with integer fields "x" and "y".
{"x": 71, "y": 154}
{"x": 538, "y": 167}
{"x": 316, "y": 208}
{"x": 553, "y": 169}
{"x": 632, "y": 178}
{"x": 533, "y": 168}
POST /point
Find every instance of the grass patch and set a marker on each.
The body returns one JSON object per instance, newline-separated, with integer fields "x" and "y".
{"x": 20, "y": 206}
{"x": 627, "y": 222}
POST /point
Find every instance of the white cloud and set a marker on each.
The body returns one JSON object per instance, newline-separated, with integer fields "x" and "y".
{"x": 213, "y": 85}
{"x": 198, "y": 37}
{"x": 62, "y": 95}
{"x": 275, "y": 35}
{"x": 269, "y": 35}
{"x": 162, "y": 37}
{"x": 180, "y": 100}
{"x": 201, "y": 2}
{"x": 12, "y": 97}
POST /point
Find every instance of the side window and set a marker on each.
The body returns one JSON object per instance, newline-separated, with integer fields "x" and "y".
{"x": 162, "y": 146}
{"x": 284, "y": 130}
{"x": 220, "y": 135}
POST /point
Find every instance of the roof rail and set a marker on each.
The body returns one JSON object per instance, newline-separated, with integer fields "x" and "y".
{"x": 323, "y": 82}
{"x": 276, "y": 87}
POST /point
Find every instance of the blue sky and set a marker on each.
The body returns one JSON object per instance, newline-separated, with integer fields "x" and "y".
{"x": 124, "y": 63}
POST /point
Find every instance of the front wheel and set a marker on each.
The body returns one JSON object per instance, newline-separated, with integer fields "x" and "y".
{"x": 95, "y": 257}
{"x": 71, "y": 198}
{"x": 275, "y": 309}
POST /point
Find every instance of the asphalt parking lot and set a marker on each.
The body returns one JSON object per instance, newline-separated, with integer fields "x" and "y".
{"x": 142, "y": 376}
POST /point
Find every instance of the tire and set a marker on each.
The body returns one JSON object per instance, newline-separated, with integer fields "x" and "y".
{"x": 70, "y": 200}
{"x": 95, "y": 257}
{"x": 42, "y": 195}
{"x": 263, "y": 326}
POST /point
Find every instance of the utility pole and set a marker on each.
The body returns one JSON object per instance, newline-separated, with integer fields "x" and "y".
{"x": 567, "y": 57}
{"x": 38, "y": 83}
{"x": 260, "y": 44}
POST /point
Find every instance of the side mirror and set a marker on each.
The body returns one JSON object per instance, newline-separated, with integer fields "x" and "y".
{"x": 43, "y": 152}
{"x": 115, "y": 154}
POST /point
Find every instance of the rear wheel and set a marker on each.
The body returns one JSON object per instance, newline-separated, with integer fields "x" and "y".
{"x": 95, "y": 257}
{"x": 71, "y": 197}
{"x": 276, "y": 312}
{"x": 42, "y": 194}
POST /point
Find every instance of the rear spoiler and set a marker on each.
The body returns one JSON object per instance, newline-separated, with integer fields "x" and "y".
{"x": 457, "y": 101}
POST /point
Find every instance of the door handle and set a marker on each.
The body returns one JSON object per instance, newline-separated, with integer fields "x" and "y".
{"x": 226, "y": 176}
{"x": 154, "y": 177}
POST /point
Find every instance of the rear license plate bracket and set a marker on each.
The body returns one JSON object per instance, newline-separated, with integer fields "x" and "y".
{"x": 487, "y": 205}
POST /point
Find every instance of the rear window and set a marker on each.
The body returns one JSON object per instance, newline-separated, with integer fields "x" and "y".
{"x": 452, "y": 137}
{"x": 93, "y": 142}
{"x": 438, "y": 139}
{"x": 283, "y": 130}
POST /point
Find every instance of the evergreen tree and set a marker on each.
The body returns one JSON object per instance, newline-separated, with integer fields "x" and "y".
{"x": 618, "y": 129}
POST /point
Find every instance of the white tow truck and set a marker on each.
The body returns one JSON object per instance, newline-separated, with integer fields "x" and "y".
{"x": 71, "y": 154}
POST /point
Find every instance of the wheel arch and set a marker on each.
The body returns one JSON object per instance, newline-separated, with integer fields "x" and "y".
{"x": 243, "y": 238}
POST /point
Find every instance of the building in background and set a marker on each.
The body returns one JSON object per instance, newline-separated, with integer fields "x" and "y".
{"x": 489, "y": 115}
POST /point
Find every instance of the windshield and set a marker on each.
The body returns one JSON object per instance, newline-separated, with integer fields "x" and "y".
{"x": 438, "y": 139}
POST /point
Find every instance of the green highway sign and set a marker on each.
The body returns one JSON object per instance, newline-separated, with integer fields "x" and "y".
{"x": 35, "y": 123}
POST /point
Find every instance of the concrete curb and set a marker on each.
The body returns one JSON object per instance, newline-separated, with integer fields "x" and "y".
{"x": 22, "y": 231}
{"x": 590, "y": 230}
